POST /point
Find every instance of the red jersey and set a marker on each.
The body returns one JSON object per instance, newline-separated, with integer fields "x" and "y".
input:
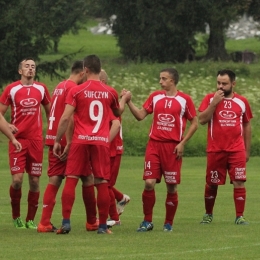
{"x": 116, "y": 146}
{"x": 93, "y": 101}
{"x": 225, "y": 130}
{"x": 25, "y": 102}
{"x": 57, "y": 108}
{"x": 170, "y": 115}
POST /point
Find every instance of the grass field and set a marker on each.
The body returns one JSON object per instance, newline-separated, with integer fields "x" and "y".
{"x": 222, "y": 239}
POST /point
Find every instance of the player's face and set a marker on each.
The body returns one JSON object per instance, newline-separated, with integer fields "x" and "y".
{"x": 224, "y": 84}
{"x": 166, "y": 81}
{"x": 27, "y": 69}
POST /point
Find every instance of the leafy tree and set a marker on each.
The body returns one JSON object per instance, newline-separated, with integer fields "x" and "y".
{"x": 164, "y": 30}
{"x": 218, "y": 15}
{"x": 152, "y": 30}
{"x": 61, "y": 17}
{"x": 26, "y": 30}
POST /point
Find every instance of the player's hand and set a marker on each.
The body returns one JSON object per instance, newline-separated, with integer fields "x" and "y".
{"x": 65, "y": 153}
{"x": 123, "y": 92}
{"x": 13, "y": 128}
{"x": 219, "y": 96}
{"x": 179, "y": 149}
{"x": 17, "y": 145}
{"x": 57, "y": 149}
{"x": 127, "y": 96}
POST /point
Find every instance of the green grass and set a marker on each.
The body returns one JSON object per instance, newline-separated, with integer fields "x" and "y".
{"x": 189, "y": 240}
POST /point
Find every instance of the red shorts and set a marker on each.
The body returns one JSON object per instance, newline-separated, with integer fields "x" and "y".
{"x": 218, "y": 164}
{"x": 85, "y": 159}
{"x": 56, "y": 167}
{"x": 160, "y": 160}
{"x": 29, "y": 159}
{"x": 114, "y": 168}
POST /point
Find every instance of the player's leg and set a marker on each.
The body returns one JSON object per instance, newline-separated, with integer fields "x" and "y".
{"x": 171, "y": 170}
{"x": 122, "y": 199}
{"x": 17, "y": 163}
{"x": 34, "y": 170}
{"x": 151, "y": 176}
{"x": 215, "y": 175}
{"x": 89, "y": 199}
{"x": 56, "y": 171}
{"x": 100, "y": 163}
{"x": 237, "y": 173}
{"x": 114, "y": 169}
{"x": 75, "y": 168}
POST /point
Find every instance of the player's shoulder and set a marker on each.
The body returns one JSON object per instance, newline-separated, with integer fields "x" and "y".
{"x": 238, "y": 96}
{"x": 38, "y": 83}
{"x": 183, "y": 95}
{"x": 13, "y": 84}
{"x": 157, "y": 93}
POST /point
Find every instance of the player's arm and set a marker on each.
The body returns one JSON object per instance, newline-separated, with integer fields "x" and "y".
{"x": 3, "y": 109}
{"x": 124, "y": 99}
{"x": 139, "y": 114}
{"x": 5, "y": 129}
{"x": 206, "y": 115}
{"x": 247, "y": 138}
{"x": 62, "y": 127}
{"x": 47, "y": 110}
{"x": 114, "y": 129}
{"x": 190, "y": 132}
{"x": 68, "y": 134}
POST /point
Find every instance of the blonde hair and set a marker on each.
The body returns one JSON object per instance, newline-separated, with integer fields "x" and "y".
{"x": 103, "y": 76}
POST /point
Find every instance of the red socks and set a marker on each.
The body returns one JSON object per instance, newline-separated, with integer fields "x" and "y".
{"x": 118, "y": 195}
{"x": 103, "y": 202}
{"x": 171, "y": 205}
{"x": 33, "y": 201}
{"x": 148, "y": 198}
{"x": 89, "y": 198}
{"x": 209, "y": 198}
{"x": 68, "y": 196}
{"x": 112, "y": 209}
{"x": 239, "y": 200}
{"x": 15, "y": 196}
{"x": 49, "y": 200}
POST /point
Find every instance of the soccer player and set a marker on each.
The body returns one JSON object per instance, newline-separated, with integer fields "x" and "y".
{"x": 163, "y": 157}
{"x": 91, "y": 103}
{"x": 4, "y": 128}
{"x": 228, "y": 143}
{"x": 56, "y": 168}
{"x": 116, "y": 151}
{"x": 25, "y": 97}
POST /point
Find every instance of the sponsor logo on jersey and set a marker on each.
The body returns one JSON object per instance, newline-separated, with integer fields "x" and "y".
{"x": 227, "y": 114}
{"x": 29, "y": 102}
{"x": 166, "y": 118}
{"x": 15, "y": 168}
{"x": 147, "y": 173}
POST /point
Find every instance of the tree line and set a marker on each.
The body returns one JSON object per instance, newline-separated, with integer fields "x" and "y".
{"x": 146, "y": 30}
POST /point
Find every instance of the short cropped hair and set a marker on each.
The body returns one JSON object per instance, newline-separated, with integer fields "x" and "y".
{"x": 93, "y": 63}
{"x": 25, "y": 59}
{"x": 173, "y": 72}
{"x": 231, "y": 74}
{"x": 77, "y": 67}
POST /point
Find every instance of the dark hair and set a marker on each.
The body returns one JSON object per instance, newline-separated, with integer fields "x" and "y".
{"x": 77, "y": 67}
{"x": 174, "y": 73}
{"x": 93, "y": 63}
{"x": 25, "y": 59}
{"x": 230, "y": 73}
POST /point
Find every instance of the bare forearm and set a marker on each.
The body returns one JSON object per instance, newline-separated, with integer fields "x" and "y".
{"x": 139, "y": 114}
{"x": 192, "y": 129}
{"x": 62, "y": 129}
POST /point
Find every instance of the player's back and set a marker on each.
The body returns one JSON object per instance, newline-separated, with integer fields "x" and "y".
{"x": 93, "y": 101}
{"x": 57, "y": 108}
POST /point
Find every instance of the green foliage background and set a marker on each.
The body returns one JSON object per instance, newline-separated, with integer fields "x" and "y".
{"x": 196, "y": 78}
